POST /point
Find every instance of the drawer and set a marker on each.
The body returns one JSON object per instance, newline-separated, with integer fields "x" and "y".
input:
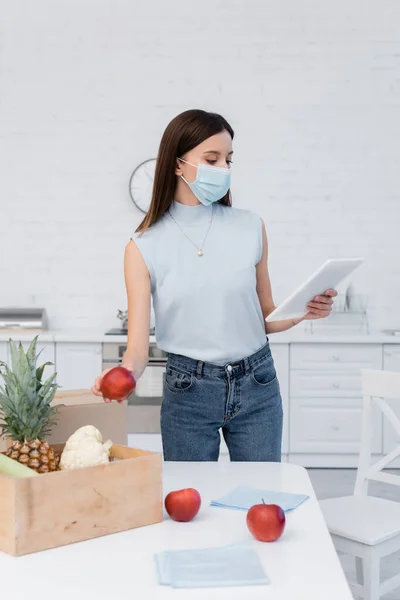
{"x": 321, "y": 383}
{"x": 328, "y": 425}
{"x": 331, "y": 356}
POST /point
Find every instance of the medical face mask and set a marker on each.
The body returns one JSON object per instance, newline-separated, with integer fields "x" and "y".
{"x": 211, "y": 183}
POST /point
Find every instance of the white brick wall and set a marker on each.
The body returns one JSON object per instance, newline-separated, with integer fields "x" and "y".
{"x": 312, "y": 89}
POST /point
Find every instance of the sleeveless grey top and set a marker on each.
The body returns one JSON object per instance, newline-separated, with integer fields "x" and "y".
{"x": 207, "y": 307}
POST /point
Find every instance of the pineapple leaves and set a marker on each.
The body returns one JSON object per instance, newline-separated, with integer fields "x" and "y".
{"x": 25, "y": 411}
{"x": 39, "y": 374}
{"x": 31, "y": 353}
{"x": 13, "y": 354}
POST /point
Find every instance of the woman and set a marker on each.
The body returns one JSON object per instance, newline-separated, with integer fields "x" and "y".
{"x": 205, "y": 264}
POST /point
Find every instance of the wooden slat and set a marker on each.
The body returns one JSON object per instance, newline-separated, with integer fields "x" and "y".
{"x": 7, "y": 514}
{"x": 70, "y": 506}
{"x": 118, "y": 451}
{"x": 73, "y": 393}
{"x": 78, "y": 396}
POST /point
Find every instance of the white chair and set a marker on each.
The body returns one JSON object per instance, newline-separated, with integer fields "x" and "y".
{"x": 366, "y": 526}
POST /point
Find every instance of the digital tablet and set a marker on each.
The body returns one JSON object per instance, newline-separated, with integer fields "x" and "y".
{"x": 328, "y": 276}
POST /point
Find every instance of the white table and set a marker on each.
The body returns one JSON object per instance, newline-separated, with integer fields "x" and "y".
{"x": 302, "y": 565}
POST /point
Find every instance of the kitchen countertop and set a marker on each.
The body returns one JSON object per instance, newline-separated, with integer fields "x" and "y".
{"x": 301, "y": 565}
{"x": 297, "y": 335}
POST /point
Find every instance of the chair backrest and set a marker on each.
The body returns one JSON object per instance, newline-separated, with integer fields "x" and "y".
{"x": 377, "y": 387}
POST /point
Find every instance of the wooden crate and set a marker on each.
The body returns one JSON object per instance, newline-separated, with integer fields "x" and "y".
{"x": 80, "y": 407}
{"x": 55, "y": 509}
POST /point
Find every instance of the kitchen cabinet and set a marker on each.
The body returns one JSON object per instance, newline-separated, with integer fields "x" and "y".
{"x": 391, "y": 362}
{"x": 335, "y": 356}
{"x": 329, "y": 384}
{"x": 78, "y": 364}
{"x": 326, "y": 402}
{"x": 330, "y": 426}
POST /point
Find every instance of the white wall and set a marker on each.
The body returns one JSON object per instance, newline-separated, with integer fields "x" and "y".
{"x": 87, "y": 87}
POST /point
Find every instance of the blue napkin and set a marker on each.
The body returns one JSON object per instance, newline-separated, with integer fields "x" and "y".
{"x": 243, "y": 497}
{"x": 233, "y": 565}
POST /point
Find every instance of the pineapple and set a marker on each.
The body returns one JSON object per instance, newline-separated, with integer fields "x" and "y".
{"x": 26, "y": 417}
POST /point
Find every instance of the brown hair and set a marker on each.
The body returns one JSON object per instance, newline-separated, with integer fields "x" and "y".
{"x": 184, "y": 132}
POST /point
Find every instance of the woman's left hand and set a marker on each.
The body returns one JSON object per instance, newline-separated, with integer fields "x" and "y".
{"x": 320, "y": 307}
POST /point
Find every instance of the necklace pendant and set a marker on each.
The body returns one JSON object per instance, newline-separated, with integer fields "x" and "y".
{"x": 200, "y": 252}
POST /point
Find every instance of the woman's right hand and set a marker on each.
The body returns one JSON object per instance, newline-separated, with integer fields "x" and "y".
{"x": 96, "y": 388}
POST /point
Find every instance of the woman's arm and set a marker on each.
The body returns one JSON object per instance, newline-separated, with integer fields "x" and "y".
{"x": 319, "y": 307}
{"x": 138, "y": 289}
{"x": 265, "y": 293}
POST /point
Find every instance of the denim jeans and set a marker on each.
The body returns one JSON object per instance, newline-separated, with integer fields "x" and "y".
{"x": 242, "y": 398}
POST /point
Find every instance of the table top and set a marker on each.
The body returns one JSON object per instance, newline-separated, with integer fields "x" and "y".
{"x": 301, "y": 565}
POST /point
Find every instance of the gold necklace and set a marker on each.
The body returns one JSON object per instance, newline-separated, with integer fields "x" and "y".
{"x": 199, "y": 248}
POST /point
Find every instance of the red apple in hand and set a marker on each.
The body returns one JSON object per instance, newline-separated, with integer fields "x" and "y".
{"x": 117, "y": 384}
{"x": 183, "y": 505}
{"x": 266, "y": 521}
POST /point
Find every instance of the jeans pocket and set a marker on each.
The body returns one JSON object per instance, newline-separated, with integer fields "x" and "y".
{"x": 264, "y": 373}
{"x": 178, "y": 380}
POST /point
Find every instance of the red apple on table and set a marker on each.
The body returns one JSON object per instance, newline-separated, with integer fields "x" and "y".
{"x": 183, "y": 505}
{"x": 266, "y": 521}
{"x": 117, "y": 384}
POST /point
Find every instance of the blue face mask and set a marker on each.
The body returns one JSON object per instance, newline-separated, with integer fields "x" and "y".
{"x": 211, "y": 183}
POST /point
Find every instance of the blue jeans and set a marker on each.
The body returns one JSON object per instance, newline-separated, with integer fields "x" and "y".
{"x": 242, "y": 398}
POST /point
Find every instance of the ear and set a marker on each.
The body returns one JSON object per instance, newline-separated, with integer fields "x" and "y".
{"x": 178, "y": 168}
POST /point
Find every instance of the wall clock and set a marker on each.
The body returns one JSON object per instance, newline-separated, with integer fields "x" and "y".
{"x": 141, "y": 184}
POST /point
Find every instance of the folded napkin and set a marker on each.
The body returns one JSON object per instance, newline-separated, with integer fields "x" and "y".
{"x": 233, "y": 565}
{"x": 243, "y": 497}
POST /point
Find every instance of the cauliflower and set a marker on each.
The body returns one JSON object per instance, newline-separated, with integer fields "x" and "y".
{"x": 84, "y": 448}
